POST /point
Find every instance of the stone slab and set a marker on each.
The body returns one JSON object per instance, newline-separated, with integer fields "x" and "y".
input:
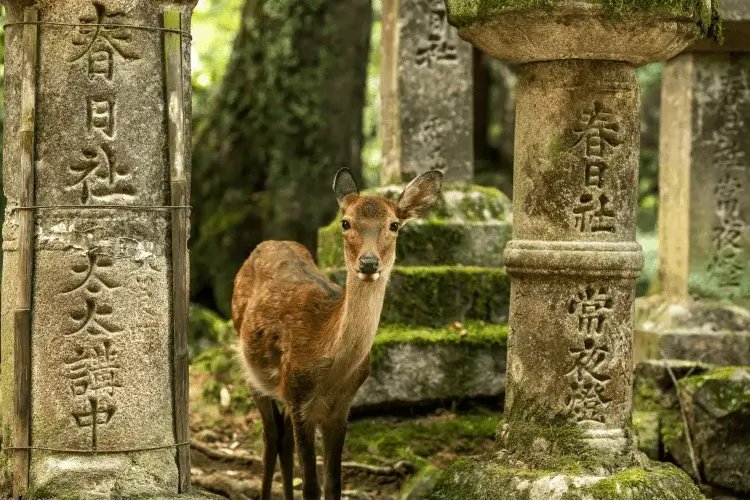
{"x": 413, "y": 366}
{"x": 469, "y": 226}
{"x": 437, "y": 296}
{"x": 713, "y": 332}
{"x": 705, "y": 172}
{"x": 717, "y": 407}
{"x": 495, "y": 477}
{"x": 518, "y": 32}
{"x": 426, "y": 93}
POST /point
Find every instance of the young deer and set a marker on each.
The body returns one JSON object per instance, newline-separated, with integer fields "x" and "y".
{"x": 306, "y": 342}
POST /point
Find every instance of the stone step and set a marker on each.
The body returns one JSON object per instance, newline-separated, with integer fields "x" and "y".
{"x": 412, "y": 365}
{"x": 469, "y": 225}
{"x": 435, "y": 296}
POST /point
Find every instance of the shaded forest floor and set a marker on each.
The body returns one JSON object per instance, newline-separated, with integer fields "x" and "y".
{"x": 381, "y": 454}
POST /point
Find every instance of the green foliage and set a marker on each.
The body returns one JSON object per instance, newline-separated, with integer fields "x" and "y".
{"x": 207, "y": 329}
{"x": 214, "y": 26}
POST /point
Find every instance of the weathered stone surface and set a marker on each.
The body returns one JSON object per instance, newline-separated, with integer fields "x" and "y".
{"x": 704, "y": 172}
{"x": 469, "y": 226}
{"x": 573, "y": 260}
{"x": 101, "y": 376}
{"x": 421, "y": 484}
{"x": 499, "y": 478}
{"x": 654, "y": 382}
{"x": 703, "y": 311}
{"x": 418, "y": 366}
{"x": 714, "y": 332}
{"x": 523, "y": 31}
{"x": 425, "y": 85}
{"x": 717, "y": 406}
{"x": 435, "y": 296}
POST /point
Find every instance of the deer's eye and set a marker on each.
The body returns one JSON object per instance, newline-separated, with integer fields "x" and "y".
{"x": 345, "y": 225}
{"x": 394, "y": 226}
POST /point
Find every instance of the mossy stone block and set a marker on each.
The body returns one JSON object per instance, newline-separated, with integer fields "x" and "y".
{"x": 436, "y": 296}
{"x": 717, "y": 409}
{"x": 412, "y": 365}
{"x": 493, "y": 478}
{"x": 469, "y": 225}
{"x": 646, "y": 426}
{"x": 715, "y": 332}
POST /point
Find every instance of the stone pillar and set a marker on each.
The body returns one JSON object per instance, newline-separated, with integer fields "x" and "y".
{"x": 573, "y": 259}
{"x": 702, "y": 310}
{"x": 94, "y": 298}
{"x": 426, "y": 94}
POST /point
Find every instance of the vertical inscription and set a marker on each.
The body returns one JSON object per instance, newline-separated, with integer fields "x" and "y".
{"x": 97, "y": 176}
{"x": 585, "y": 400}
{"x": 437, "y": 49}
{"x": 727, "y": 263}
{"x": 431, "y": 132}
{"x": 93, "y": 368}
{"x": 598, "y": 130}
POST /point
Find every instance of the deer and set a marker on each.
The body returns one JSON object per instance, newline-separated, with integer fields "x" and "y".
{"x": 305, "y": 342}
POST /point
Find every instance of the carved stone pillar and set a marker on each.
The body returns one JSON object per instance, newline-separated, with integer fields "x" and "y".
{"x": 573, "y": 259}
{"x": 426, "y": 89}
{"x": 94, "y": 299}
{"x": 702, "y": 312}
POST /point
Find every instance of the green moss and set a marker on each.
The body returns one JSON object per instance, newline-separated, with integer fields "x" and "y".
{"x": 477, "y": 333}
{"x": 435, "y": 296}
{"x": 492, "y": 478}
{"x": 465, "y": 12}
{"x": 371, "y": 440}
{"x": 728, "y": 395}
{"x": 671, "y": 429}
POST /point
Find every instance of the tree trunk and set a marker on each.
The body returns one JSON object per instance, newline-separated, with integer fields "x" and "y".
{"x": 286, "y": 117}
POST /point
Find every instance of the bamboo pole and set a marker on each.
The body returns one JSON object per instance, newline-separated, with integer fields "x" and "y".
{"x": 179, "y": 194}
{"x": 22, "y": 314}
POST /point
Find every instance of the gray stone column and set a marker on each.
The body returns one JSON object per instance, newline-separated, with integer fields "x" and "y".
{"x": 573, "y": 259}
{"x": 702, "y": 310}
{"x": 93, "y": 373}
{"x": 426, "y": 94}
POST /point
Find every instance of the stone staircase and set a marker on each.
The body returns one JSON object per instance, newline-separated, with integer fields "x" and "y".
{"x": 443, "y": 330}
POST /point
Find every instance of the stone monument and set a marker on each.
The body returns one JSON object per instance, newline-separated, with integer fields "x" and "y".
{"x": 573, "y": 259}
{"x": 443, "y": 322}
{"x": 94, "y": 296}
{"x": 702, "y": 312}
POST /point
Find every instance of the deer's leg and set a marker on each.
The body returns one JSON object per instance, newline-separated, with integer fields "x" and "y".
{"x": 271, "y": 435}
{"x": 304, "y": 438}
{"x": 286, "y": 452}
{"x": 334, "y": 433}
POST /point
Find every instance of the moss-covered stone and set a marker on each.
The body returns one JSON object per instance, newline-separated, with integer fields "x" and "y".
{"x": 715, "y": 332}
{"x": 469, "y": 225}
{"x": 412, "y": 366}
{"x": 436, "y": 296}
{"x": 494, "y": 478}
{"x": 464, "y": 12}
{"x": 716, "y": 407}
{"x": 647, "y": 428}
{"x": 419, "y": 486}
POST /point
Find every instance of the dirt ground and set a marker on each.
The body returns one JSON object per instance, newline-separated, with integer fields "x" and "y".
{"x": 381, "y": 453}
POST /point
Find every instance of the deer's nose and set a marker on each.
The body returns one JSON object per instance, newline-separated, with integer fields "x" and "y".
{"x": 368, "y": 264}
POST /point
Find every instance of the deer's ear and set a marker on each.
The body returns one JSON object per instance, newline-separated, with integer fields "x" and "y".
{"x": 344, "y": 185}
{"x": 419, "y": 196}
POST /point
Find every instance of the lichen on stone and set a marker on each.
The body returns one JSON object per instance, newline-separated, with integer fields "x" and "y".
{"x": 465, "y": 12}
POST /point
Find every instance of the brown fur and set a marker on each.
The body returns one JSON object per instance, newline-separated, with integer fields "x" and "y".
{"x": 305, "y": 341}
